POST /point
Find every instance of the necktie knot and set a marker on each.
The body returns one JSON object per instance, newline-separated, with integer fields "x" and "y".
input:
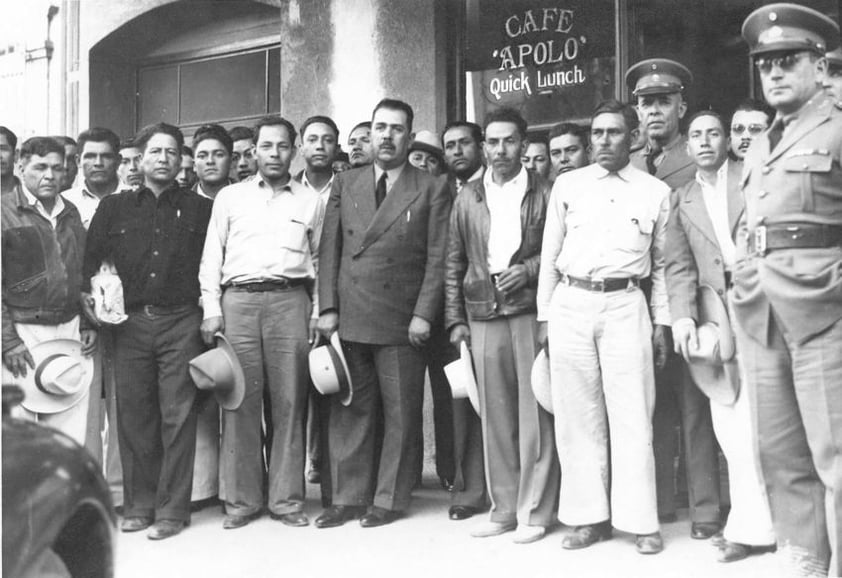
{"x": 380, "y": 190}
{"x": 654, "y": 153}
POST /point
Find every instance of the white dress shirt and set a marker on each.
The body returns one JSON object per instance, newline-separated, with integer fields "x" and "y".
{"x": 36, "y": 204}
{"x": 716, "y": 203}
{"x": 86, "y": 201}
{"x": 504, "y": 234}
{"x": 606, "y": 225}
{"x": 256, "y": 235}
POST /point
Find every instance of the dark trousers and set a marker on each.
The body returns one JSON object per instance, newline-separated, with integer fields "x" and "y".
{"x": 390, "y": 377}
{"x": 469, "y": 479}
{"x": 269, "y": 332}
{"x": 156, "y": 413}
{"x": 439, "y": 353}
{"x": 796, "y": 392}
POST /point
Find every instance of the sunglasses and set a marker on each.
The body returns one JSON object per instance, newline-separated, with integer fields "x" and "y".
{"x": 834, "y": 71}
{"x": 785, "y": 62}
{"x": 753, "y": 129}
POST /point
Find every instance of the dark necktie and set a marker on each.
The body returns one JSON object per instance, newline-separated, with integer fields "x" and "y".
{"x": 775, "y": 134}
{"x": 380, "y": 190}
{"x": 650, "y": 160}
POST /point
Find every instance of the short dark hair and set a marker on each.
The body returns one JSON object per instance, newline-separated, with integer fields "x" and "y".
{"x": 709, "y": 112}
{"x": 273, "y": 120}
{"x": 319, "y": 119}
{"x": 40, "y": 146}
{"x": 571, "y": 128}
{"x": 342, "y": 156}
{"x": 127, "y": 143}
{"x": 395, "y": 104}
{"x": 506, "y": 114}
{"x": 99, "y": 134}
{"x": 213, "y": 132}
{"x": 241, "y": 133}
{"x": 10, "y": 136}
{"x": 613, "y": 106}
{"x": 750, "y": 104}
{"x": 142, "y": 137}
{"x": 64, "y": 140}
{"x": 476, "y": 130}
{"x": 363, "y": 124}
{"x": 186, "y": 151}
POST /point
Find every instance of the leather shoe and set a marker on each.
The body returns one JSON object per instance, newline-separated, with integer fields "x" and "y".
{"x": 234, "y": 521}
{"x": 460, "y": 512}
{"x": 649, "y": 543}
{"x": 376, "y": 516}
{"x": 734, "y": 551}
{"x": 488, "y": 529}
{"x": 528, "y": 534}
{"x": 336, "y": 516}
{"x": 294, "y": 519}
{"x": 446, "y": 483}
{"x": 135, "y": 524}
{"x": 704, "y": 530}
{"x": 163, "y": 529}
{"x": 587, "y": 535}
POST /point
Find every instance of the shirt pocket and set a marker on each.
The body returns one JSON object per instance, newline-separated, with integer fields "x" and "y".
{"x": 811, "y": 173}
{"x": 23, "y": 257}
{"x": 636, "y": 232}
{"x": 294, "y": 236}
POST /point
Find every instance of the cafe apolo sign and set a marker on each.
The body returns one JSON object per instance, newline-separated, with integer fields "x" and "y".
{"x": 560, "y": 50}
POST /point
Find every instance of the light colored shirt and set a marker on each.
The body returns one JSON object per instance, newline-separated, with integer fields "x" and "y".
{"x": 477, "y": 175}
{"x": 257, "y": 235}
{"x": 606, "y": 225}
{"x": 36, "y": 204}
{"x": 504, "y": 234}
{"x": 324, "y": 192}
{"x": 86, "y": 201}
{"x": 716, "y": 203}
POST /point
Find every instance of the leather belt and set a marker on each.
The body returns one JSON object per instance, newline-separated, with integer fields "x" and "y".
{"x": 152, "y": 310}
{"x": 600, "y": 285}
{"x": 767, "y": 238}
{"x": 274, "y": 285}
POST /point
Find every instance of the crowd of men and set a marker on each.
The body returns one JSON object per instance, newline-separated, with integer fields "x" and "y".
{"x": 625, "y": 253}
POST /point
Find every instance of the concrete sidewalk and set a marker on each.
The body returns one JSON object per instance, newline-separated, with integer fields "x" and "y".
{"x": 423, "y": 544}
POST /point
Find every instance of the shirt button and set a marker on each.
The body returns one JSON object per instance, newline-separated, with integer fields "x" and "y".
{"x": 717, "y": 261}
{"x": 767, "y": 170}
{"x": 762, "y": 194}
{"x": 157, "y": 231}
{"x": 152, "y": 275}
{"x": 155, "y": 253}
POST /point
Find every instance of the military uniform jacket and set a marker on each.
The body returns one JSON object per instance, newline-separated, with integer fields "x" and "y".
{"x": 378, "y": 267}
{"x": 799, "y": 181}
{"x": 676, "y": 167}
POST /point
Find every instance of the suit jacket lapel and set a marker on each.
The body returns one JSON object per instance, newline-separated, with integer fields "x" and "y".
{"x": 362, "y": 194}
{"x": 694, "y": 206}
{"x": 402, "y": 194}
{"x": 736, "y": 203}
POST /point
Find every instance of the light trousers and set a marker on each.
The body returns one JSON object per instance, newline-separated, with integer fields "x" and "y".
{"x": 603, "y": 389}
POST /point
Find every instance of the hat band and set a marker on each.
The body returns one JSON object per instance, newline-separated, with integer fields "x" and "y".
{"x": 339, "y": 367}
{"x": 41, "y": 367}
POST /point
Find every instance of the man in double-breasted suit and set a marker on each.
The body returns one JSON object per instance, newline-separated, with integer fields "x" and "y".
{"x": 381, "y": 284}
{"x": 787, "y": 294}
{"x": 700, "y": 250}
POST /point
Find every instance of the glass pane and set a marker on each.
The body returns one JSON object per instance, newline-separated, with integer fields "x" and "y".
{"x": 275, "y": 81}
{"x": 157, "y": 95}
{"x": 223, "y": 88}
{"x": 552, "y": 63}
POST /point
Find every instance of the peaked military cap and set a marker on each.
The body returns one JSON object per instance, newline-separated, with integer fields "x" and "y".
{"x": 658, "y": 76}
{"x": 787, "y": 27}
{"x": 834, "y": 58}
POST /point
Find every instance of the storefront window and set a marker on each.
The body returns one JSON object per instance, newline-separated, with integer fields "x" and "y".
{"x": 552, "y": 61}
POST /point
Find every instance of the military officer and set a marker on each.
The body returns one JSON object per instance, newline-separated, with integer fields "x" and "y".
{"x": 833, "y": 78}
{"x": 787, "y": 287}
{"x": 659, "y": 86}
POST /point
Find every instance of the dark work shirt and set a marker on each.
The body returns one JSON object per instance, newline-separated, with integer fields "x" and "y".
{"x": 155, "y": 244}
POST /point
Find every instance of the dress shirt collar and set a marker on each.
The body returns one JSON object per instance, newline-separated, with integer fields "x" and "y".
{"x": 392, "y": 175}
{"x": 624, "y": 173}
{"x": 721, "y": 174}
{"x": 171, "y": 194}
{"x": 35, "y": 203}
{"x": 306, "y": 182}
{"x": 520, "y": 180}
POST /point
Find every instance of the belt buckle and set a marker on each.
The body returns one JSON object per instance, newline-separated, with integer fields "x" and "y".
{"x": 598, "y": 285}
{"x": 760, "y": 240}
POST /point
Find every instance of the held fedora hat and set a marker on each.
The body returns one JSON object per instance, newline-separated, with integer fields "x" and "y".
{"x": 61, "y": 378}
{"x": 540, "y": 378}
{"x": 712, "y": 364}
{"x": 219, "y": 370}
{"x": 329, "y": 371}
{"x": 460, "y": 376}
